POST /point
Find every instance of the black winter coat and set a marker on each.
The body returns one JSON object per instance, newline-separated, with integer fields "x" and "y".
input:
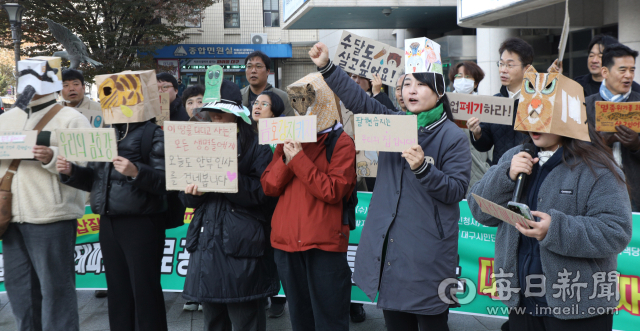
{"x": 501, "y": 137}
{"x": 114, "y": 194}
{"x": 231, "y": 259}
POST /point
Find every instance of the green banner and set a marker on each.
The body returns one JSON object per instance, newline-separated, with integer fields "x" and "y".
{"x": 476, "y": 250}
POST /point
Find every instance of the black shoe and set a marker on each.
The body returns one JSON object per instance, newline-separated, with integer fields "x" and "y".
{"x": 276, "y": 310}
{"x": 357, "y": 313}
{"x": 101, "y": 293}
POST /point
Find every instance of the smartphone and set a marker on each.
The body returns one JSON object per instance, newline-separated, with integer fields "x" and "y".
{"x": 522, "y": 209}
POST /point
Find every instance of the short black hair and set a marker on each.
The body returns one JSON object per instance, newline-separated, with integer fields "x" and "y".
{"x": 263, "y": 56}
{"x": 72, "y": 74}
{"x": 167, "y": 77}
{"x": 192, "y": 91}
{"x": 616, "y": 50}
{"x": 520, "y": 47}
{"x": 277, "y": 105}
{"x": 602, "y": 40}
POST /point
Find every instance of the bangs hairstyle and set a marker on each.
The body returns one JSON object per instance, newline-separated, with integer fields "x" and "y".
{"x": 190, "y": 92}
{"x": 614, "y": 51}
{"x": 520, "y": 47}
{"x": 72, "y": 74}
{"x": 258, "y": 54}
{"x": 277, "y": 105}
{"x": 167, "y": 77}
{"x": 436, "y": 83}
{"x": 471, "y": 69}
{"x": 603, "y": 41}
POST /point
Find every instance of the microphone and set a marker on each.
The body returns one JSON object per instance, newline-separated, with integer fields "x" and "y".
{"x": 522, "y": 177}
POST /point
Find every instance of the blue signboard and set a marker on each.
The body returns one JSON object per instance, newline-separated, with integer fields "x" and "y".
{"x": 227, "y": 51}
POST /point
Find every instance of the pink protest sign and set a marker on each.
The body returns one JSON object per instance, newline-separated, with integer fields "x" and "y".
{"x": 385, "y": 133}
{"x": 276, "y": 130}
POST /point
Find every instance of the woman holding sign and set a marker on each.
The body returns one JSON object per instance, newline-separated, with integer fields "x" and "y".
{"x": 231, "y": 267}
{"x": 581, "y": 213}
{"x": 409, "y": 243}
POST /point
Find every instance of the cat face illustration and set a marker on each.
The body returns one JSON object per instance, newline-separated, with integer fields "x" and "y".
{"x": 537, "y": 98}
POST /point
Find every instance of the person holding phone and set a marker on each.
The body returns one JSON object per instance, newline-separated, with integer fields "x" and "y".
{"x": 579, "y": 199}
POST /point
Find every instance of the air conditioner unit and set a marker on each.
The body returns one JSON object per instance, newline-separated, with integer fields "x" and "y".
{"x": 259, "y": 38}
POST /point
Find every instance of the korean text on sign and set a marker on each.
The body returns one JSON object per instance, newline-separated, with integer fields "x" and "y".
{"x": 205, "y": 154}
{"x": 385, "y": 133}
{"x": 487, "y": 109}
{"x": 276, "y": 130}
{"x": 612, "y": 114}
{"x": 93, "y": 145}
{"x": 17, "y": 144}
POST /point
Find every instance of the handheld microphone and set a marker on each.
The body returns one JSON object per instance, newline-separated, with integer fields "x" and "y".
{"x": 522, "y": 177}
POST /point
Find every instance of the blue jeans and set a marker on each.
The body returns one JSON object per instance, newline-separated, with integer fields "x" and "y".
{"x": 40, "y": 275}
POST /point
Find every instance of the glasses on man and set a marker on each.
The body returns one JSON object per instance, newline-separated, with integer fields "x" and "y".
{"x": 508, "y": 65}
{"x": 263, "y": 104}
{"x": 164, "y": 88}
{"x": 257, "y": 67}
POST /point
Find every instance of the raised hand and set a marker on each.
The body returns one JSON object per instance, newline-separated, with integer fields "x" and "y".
{"x": 319, "y": 54}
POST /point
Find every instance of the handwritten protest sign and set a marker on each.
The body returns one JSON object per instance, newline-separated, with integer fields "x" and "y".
{"x": 500, "y": 212}
{"x": 94, "y": 116}
{"x": 487, "y": 109}
{"x": 611, "y": 114}
{"x": 93, "y": 145}
{"x": 17, "y": 144}
{"x": 205, "y": 154}
{"x": 365, "y": 57}
{"x": 385, "y": 133}
{"x": 276, "y": 130}
{"x": 166, "y": 111}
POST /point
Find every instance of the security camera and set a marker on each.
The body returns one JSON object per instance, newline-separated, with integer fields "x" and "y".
{"x": 386, "y": 11}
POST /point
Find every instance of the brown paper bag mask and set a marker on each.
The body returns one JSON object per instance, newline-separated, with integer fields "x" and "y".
{"x": 312, "y": 96}
{"x": 552, "y": 103}
{"x": 129, "y": 96}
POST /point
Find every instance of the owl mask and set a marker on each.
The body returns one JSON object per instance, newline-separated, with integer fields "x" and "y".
{"x": 41, "y": 73}
{"x": 129, "y": 96}
{"x": 552, "y": 103}
{"x": 312, "y": 96}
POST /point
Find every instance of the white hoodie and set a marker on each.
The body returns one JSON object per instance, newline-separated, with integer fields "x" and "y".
{"x": 38, "y": 195}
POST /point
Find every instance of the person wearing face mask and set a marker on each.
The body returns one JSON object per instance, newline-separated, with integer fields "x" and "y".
{"x": 414, "y": 208}
{"x": 466, "y": 76}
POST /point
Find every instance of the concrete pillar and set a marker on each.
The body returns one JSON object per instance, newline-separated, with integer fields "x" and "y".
{"x": 488, "y": 42}
{"x": 629, "y": 25}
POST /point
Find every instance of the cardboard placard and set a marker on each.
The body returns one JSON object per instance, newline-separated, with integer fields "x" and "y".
{"x": 17, "y": 144}
{"x": 201, "y": 153}
{"x": 385, "y": 133}
{"x": 364, "y": 57}
{"x": 367, "y": 163}
{"x": 166, "y": 109}
{"x": 92, "y": 145}
{"x": 487, "y": 109}
{"x": 94, "y": 116}
{"x": 611, "y": 114}
{"x": 276, "y": 130}
{"x": 565, "y": 33}
{"x": 500, "y": 212}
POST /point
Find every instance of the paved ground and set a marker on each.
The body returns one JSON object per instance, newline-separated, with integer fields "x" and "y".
{"x": 93, "y": 317}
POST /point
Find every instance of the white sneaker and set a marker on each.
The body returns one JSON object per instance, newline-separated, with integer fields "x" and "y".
{"x": 191, "y": 306}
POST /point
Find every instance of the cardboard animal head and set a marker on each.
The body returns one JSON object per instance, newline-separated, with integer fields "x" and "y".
{"x": 422, "y": 55}
{"x": 129, "y": 96}
{"x": 552, "y": 103}
{"x": 42, "y": 73}
{"x": 213, "y": 81}
{"x": 312, "y": 96}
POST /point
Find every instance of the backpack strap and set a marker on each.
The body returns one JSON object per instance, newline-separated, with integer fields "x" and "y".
{"x": 146, "y": 143}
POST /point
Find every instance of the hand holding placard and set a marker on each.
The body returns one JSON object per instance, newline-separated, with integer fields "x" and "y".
{"x": 500, "y": 212}
{"x": 17, "y": 144}
{"x": 93, "y": 145}
{"x": 612, "y": 114}
{"x": 385, "y": 133}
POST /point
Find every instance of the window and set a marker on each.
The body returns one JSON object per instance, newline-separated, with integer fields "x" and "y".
{"x": 271, "y": 12}
{"x": 231, "y": 13}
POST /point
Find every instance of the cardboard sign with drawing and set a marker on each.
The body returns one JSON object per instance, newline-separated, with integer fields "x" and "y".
{"x": 422, "y": 55}
{"x": 129, "y": 96}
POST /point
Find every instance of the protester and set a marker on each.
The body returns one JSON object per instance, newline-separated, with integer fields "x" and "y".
{"x": 618, "y": 71}
{"x": 73, "y": 91}
{"x": 308, "y": 230}
{"x": 129, "y": 195}
{"x": 466, "y": 76}
{"x": 38, "y": 246}
{"x": 403, "y": 107}
{"x": 516, "y": 55}
{"x": 258, "y": 67}
{"x": 579, "y": 200}
{"x": 168, "y": 84}
{"x": 231, "y": 271}
{"x": 591, "y": 82}
{"x": 390, "y": 260}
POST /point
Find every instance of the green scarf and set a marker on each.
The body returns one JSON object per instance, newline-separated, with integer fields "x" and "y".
{"x": 429, "y": 117}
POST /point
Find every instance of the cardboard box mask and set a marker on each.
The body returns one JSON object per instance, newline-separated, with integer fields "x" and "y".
{"x": 552, "y": 103}
{"x": 129, "y": 96}
{"x": 312, "y": 96}
{"x": 422, "y": 55}
{"x": 42, "y": 73}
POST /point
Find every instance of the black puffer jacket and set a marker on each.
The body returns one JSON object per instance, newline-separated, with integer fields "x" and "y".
{"x": 114, "y": 194}
{"x": 231, "y": 259}
{"x": 501, "y": 137}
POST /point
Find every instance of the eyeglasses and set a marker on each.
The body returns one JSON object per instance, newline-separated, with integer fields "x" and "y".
{"x": 509, "y": 66}
{"x": 164, "y": 88}
{"x": 263, "y": 103}
{"x": 257, "y": 67}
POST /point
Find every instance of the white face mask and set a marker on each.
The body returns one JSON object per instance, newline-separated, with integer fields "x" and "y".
{"x": 463, "y": 85}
